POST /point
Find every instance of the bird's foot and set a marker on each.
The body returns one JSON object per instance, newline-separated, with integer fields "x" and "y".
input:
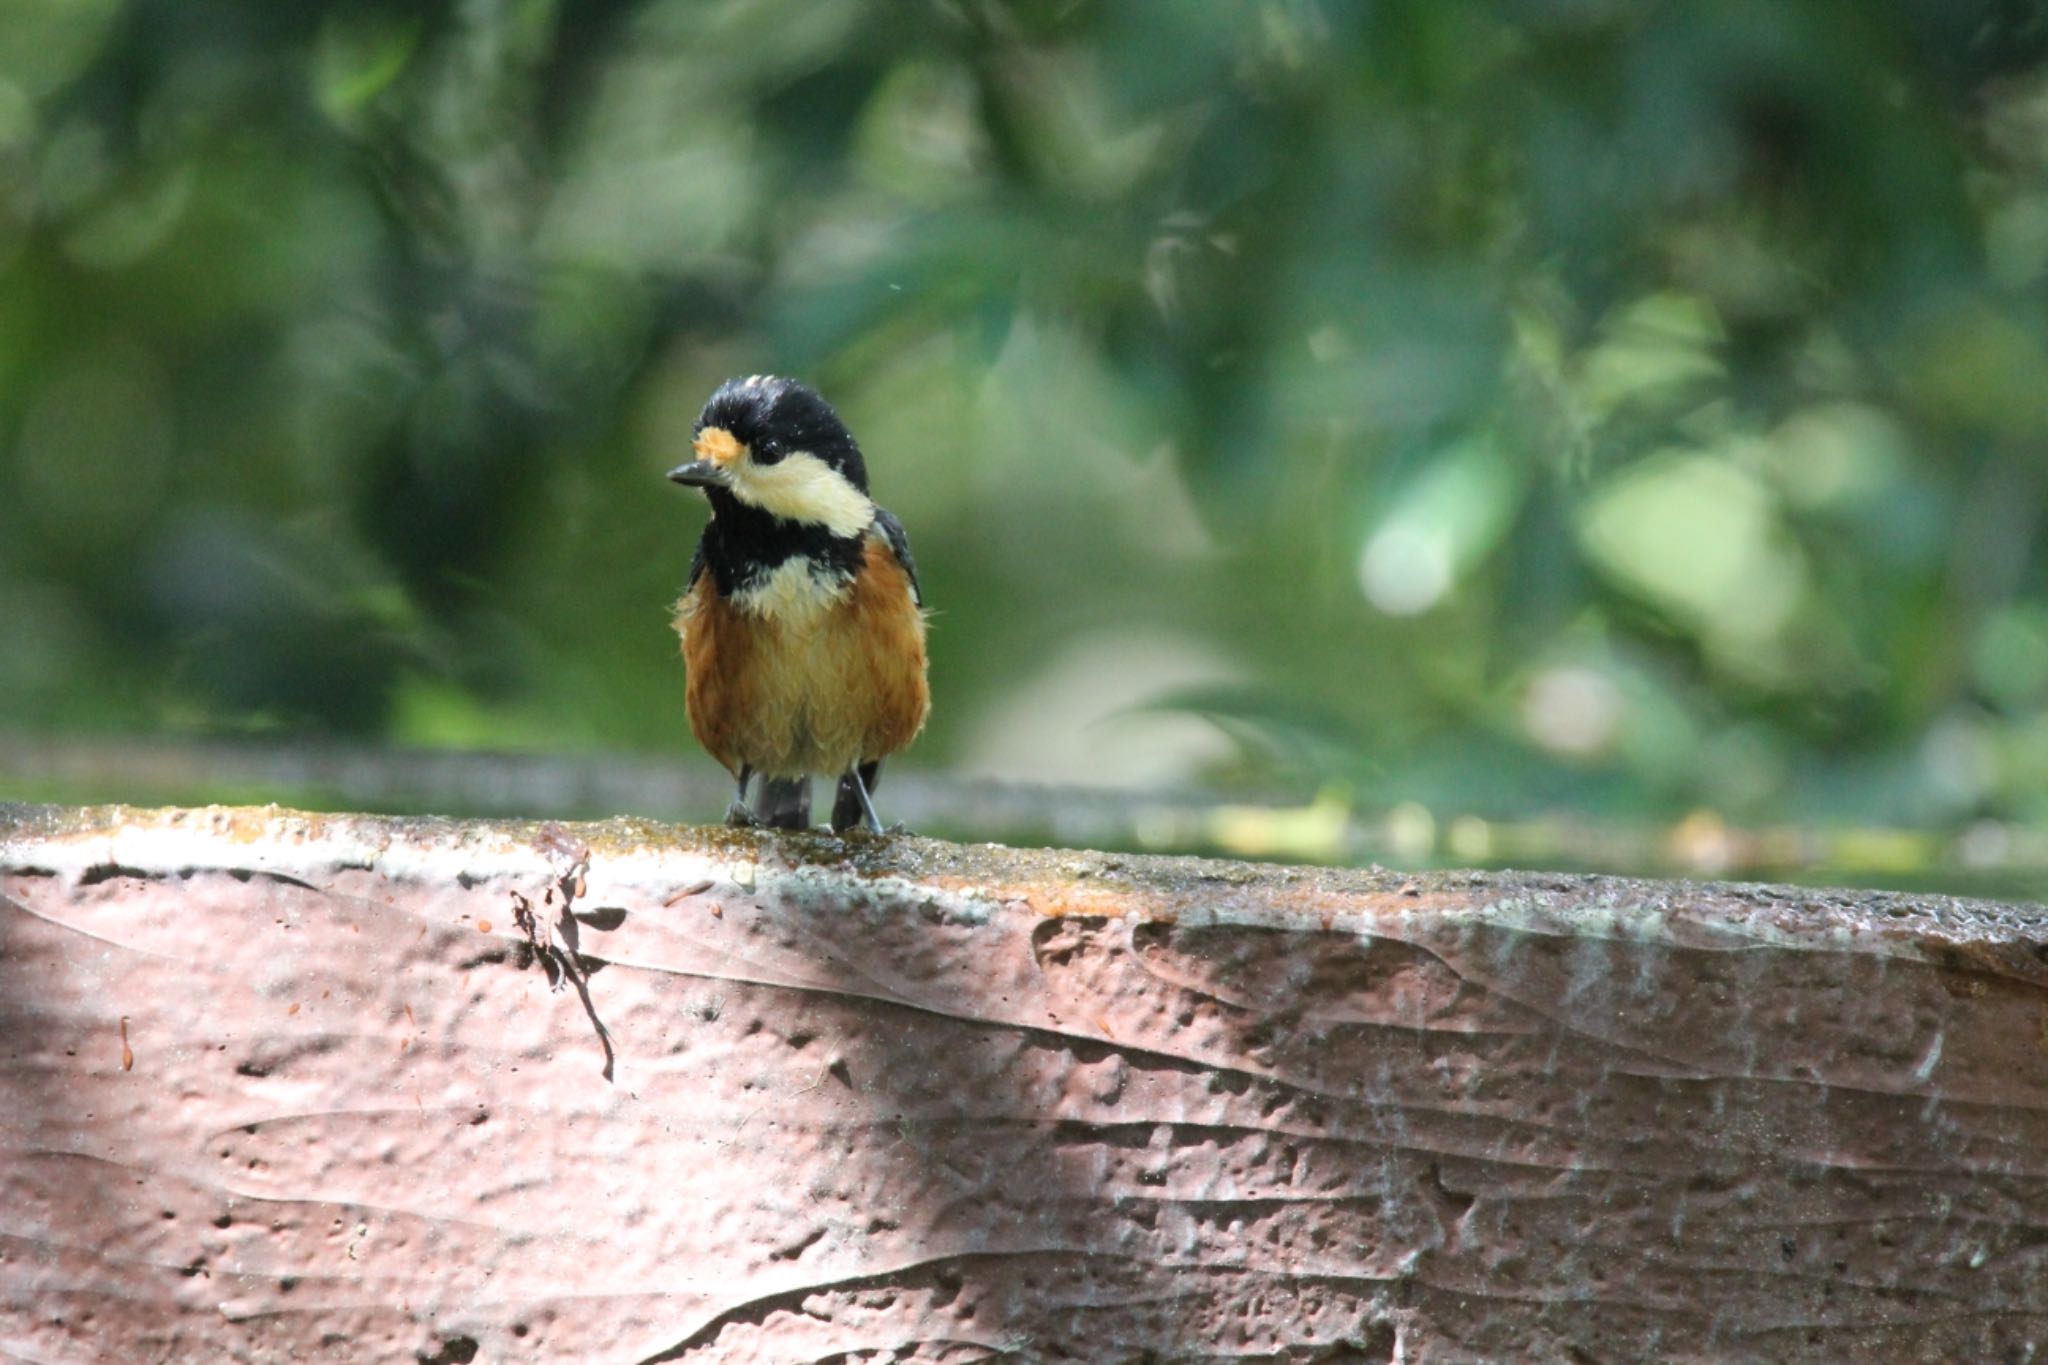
{"x": 740, "y": 817}
{"x": 866, "y": 831}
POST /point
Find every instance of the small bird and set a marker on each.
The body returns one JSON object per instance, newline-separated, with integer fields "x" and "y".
{"x": 802, "y": 624}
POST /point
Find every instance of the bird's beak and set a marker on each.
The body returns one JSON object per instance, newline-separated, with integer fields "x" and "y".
{"x": 700, "y": 474}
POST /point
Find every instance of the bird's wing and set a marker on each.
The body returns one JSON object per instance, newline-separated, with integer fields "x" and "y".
{"x": 899, "y": 545}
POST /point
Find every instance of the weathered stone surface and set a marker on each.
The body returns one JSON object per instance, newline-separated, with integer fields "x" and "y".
{"x": 940, "y": 1103}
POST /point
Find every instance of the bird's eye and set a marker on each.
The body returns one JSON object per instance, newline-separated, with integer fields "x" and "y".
{"x": 767, "y": 452}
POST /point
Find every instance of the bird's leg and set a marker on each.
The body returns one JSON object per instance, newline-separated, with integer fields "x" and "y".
{"x": 738, "y": 814}
{"x": 855, "y": 804}
{"x": 853, "y": 785}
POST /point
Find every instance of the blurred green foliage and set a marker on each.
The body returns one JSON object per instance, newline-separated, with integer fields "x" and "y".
{"x": 1599, "y": 405}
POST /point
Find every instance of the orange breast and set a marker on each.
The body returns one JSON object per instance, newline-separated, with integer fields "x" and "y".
{"x": 808, "y": 685}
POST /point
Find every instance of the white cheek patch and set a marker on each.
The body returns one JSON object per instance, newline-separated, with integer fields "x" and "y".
{"x": 802, "y": 487}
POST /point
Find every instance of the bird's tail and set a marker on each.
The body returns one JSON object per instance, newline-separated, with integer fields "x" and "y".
{"x": 785, "y": 803}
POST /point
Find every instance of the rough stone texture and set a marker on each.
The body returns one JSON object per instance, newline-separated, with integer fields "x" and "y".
{"x": 917, "y": 1102}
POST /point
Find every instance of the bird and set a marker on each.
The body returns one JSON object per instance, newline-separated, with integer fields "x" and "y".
{"x": 802, "y": 622}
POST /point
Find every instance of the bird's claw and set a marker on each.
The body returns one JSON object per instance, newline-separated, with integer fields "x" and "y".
{"x": 740, "y": 817}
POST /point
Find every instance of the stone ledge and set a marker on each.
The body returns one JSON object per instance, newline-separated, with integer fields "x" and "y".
{"x": 280, "y": 1086}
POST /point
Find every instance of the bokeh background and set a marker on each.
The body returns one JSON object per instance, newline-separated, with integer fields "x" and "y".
{"x": 1580, "y": 431}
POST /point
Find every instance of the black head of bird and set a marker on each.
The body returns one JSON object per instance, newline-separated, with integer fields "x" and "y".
{"x": 770, "y": 445}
